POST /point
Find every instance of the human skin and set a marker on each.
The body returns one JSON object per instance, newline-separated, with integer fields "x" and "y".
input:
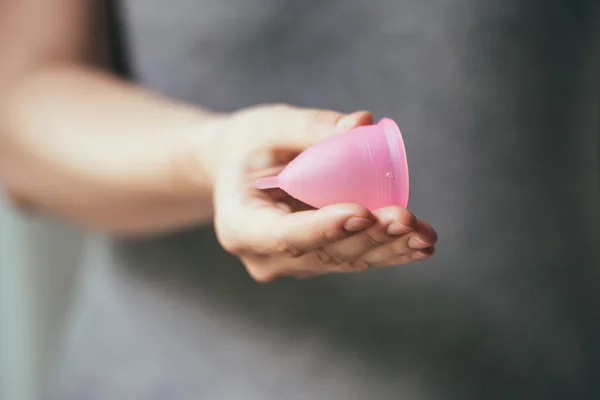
{"x": 81, "y": 144}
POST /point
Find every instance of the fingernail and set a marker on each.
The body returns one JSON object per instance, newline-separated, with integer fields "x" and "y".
{"x": 417, "y": 243}
{"x": 356, "y": 224}
{"x": 347, "y": 121}
{"x": 396, "y": 228}
{"x": 418, "y": 255}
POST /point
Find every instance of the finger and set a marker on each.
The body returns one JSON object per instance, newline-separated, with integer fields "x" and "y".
{"x": 322, "y": 124}
{"x": 407, "y": 258}
{"x": 301, "y": 128}
{"x": 362, "y": 266}
{"x": 268, "y": 230}
{"x": 263, "y": 273}
{"x": 421, "y": 238}
{"x": 319, "y": 120}
{"x": 391, "y": 222}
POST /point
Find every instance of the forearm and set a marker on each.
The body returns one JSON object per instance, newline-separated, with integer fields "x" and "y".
{"x": 81, "y": 144}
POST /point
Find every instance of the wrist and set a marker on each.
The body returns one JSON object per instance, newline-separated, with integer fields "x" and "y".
{"x": 193, "y": 155}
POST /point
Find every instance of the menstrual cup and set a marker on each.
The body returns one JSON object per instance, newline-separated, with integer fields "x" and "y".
{"x": 366, "y": 165}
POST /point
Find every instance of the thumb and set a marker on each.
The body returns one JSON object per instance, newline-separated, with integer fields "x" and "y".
{"x": 354, "y": 120}
{"x": 309, "y": 126}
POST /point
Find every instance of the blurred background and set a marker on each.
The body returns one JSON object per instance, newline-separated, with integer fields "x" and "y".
{"x": 482, "y": 311}
{"x": 38, "y": 258}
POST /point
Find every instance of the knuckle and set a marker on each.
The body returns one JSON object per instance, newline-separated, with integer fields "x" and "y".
{"x": 327, "y": 258}
{"x": 402, "y": 215}
{"x": 330, "y": 236}
{"x": 285, "y": 246}
{"x": 372, "y": 241}
{"x": 322, "y": 256}
{"x": 399, "y": 246}
{"x": 357, "y": 210}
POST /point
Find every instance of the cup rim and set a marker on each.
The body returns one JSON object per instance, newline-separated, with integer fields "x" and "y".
{"x": 399, "y": 160}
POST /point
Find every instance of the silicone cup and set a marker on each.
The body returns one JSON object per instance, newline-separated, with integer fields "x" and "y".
{"x": 366, "y": 165}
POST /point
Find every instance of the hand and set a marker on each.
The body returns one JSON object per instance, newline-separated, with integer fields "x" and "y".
{"x": 275, "y": 235}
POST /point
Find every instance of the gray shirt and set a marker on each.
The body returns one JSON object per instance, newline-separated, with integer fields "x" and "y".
{"x": 496, "y": 103}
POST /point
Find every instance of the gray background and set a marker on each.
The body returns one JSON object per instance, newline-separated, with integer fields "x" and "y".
{"x": 497, "y": 101}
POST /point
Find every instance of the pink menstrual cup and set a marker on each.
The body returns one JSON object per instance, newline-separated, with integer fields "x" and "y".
{"x": 366, "y": 165}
